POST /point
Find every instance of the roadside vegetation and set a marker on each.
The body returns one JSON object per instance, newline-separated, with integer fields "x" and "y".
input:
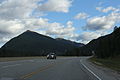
{"x": 4, "y": 59}
{"x": 112, "y": 63}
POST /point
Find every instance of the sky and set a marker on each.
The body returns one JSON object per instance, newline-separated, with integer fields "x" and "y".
{"x": 76, "y": 20}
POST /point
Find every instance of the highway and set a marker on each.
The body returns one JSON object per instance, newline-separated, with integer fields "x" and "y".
{"x": 63, "y": 68}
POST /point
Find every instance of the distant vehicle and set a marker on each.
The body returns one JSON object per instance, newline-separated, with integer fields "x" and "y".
{"x": 51, "y": 56}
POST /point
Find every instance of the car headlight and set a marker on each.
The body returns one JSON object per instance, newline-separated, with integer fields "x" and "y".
{"x": 47, "y": 55}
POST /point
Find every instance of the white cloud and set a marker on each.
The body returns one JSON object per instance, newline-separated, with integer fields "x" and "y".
{"x": 56, "y": 5}
{"x": 85, "y": 37}
{"x": 81, "y": 16}
{"x": 53, "y": 29}
{"x": 15, "y": 9}
{"x": 60, "y": 30}
{"x": 10, "y": 26}
{"x": 69, "y": 23}
{"x": 108, "y": 9}
{"x": 103, "y": 22}
{"x": 9, "y": 29}
{"x": 35, "y": 23}
{"x": 4, "y": 39}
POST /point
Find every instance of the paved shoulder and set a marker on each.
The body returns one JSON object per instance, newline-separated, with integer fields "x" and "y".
{"x": 100, "y": 72}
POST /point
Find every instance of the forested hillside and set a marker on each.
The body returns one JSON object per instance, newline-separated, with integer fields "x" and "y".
{"x": 105, "y": 46}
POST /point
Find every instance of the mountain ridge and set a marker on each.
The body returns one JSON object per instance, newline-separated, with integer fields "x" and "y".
{"x": 33, "y": 43}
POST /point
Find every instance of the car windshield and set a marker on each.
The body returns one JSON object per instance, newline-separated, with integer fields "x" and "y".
{"x": 59, "y": 39}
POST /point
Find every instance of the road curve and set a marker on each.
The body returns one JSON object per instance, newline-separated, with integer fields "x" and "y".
{"x": 63, "y": 68}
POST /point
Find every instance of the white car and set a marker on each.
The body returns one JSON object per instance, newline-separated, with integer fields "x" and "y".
{"x": 51, "y": 56}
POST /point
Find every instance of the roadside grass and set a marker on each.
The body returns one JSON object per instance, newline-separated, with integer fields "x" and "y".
{"x": 5, "y": 59}
{"x": 112, "y": 63}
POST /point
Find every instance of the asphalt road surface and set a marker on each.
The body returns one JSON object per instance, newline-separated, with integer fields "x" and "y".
{"x": 63, "y": 68}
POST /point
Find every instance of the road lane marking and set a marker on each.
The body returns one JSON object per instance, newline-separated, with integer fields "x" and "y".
{"x": 40, "y": 70}
{"x": 37, "y": 71}
{"x": 11, "y": 65}
{"x": 90, "y": 71}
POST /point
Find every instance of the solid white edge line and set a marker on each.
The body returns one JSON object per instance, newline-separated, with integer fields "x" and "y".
{"x": 91, "y": 71}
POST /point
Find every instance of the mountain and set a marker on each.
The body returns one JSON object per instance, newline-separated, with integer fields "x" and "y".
{"x": 64, "y": 41}
{"x": 105, "y": 46}
{"x": 31, "y": 43}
